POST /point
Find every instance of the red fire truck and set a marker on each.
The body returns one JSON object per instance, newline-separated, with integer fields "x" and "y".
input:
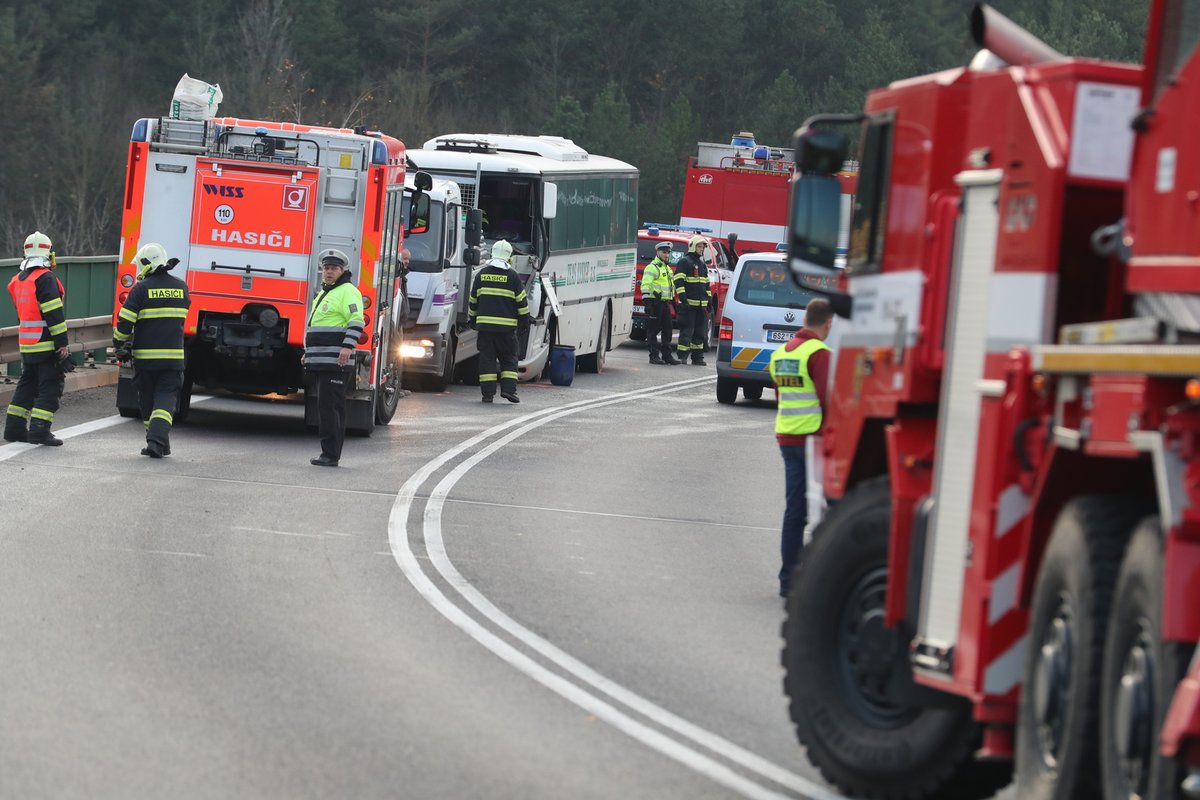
{"x": 245, "y": 205}
{"x": 739, "y": 192}
{"x": 1010, "y": 570}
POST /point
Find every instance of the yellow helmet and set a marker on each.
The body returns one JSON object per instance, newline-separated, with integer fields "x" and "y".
{"x": 152, "y": 256}
{"x": 502, "y": 250}
{"x": 696, "y": 242}
{"x": 37, "y": 244}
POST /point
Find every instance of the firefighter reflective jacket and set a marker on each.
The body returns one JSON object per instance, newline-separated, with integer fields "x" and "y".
{"x": 153, "y": 315}
{"x": 799, "y": 406}
{"x": 38, "y": 295}
{"x": 691, "y": 282}
{"x": 335, "y": 321}
{"x": 497, "y": 298}
{"x": 658, "y": 280}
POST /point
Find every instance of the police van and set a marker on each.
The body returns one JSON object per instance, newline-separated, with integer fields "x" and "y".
{"x": 763, "y": 309}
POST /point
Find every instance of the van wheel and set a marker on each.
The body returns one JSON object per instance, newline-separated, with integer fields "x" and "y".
{"x": 727, "y": 389}
{"x": 752, "y": 392}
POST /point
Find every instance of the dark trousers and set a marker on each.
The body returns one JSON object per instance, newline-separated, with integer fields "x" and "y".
{"x": 331, "y": 411}
{"x": 795, "y": 513}
{"x": 501, "y": 347}
{"x": 158, "y": 399}
{"x": 36, "y": 397}
{"x": 691, "y": 332}
{"x": 658, "y": 324}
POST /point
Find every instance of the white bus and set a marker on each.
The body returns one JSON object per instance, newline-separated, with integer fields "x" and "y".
{"x": 571, "y": 218}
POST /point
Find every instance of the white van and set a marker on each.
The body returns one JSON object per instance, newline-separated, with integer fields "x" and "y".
{"x": 763, "y": 309}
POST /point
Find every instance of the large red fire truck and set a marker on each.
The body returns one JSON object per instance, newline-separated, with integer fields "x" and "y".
{"x": 739, "y": 192}
{"x": 1010, "y": 570}
{"x": 245, "y": 205}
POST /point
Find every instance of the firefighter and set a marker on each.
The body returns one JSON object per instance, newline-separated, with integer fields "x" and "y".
{"x": 150, "y": 328}
{"x": 497, "y": 309}
{"x": 335, "y": 325}
{"x": 693, "y": 294}
{"x": 658, "y": 295}
{"x": 800, "y": 369}
{"x": 42, "y": 341}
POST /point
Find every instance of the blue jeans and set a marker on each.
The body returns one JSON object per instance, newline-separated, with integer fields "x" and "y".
{"x": 795, "y": 513}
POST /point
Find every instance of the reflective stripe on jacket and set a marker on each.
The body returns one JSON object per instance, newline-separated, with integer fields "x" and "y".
{"x": 691, "y": 281}
{"x": 153, "y": 316}
{"x": 657, "y": 280}
{"x": 497, "y": 298}
{"x": 799, "y": 406}
{"x": 334, "y": 321}
{"x": 42, "y": 327}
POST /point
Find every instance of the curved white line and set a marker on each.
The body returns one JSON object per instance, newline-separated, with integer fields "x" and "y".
{"x": 398, "y": 537}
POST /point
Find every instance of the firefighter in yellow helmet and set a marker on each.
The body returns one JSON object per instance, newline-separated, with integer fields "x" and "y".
{"x": 42, "y": 340}
{"x": 497, "y": 309}
{"x": 694, "y": 295}
{"x": 151, "y": 320}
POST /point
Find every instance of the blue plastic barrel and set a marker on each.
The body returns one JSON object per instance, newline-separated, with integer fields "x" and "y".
{"x": 562, "y": 364}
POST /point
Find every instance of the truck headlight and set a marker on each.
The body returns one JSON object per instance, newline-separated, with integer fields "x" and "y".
{"x": 418, "y": 348}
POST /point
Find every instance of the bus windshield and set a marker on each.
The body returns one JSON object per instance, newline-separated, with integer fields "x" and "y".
{"x": 425, "y": 247}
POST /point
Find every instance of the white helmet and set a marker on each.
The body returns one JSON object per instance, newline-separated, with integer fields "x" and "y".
{"x": 502, "y": 250}
{"x": 696, "y": 242}
{"x": 37, "y": 244}
{"x": 151, "y": 257}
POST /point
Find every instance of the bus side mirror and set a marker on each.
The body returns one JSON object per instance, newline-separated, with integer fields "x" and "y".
{"x": 549, "y": 200}
{"x": 474, "y": 232}
{"x": 471, "y": 256}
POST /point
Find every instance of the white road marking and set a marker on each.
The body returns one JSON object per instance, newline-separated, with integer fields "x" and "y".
{"x": 407, "y": 560}
{"x": 157, "y": 552}
{"x": 457, "y": 500}
{"x": 16, "y": 448}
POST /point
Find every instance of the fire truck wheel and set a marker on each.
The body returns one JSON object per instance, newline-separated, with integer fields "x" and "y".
{"x": 594, "y": 362}
{"x": 387, "y": 396}
{"x": 1057, "y": 754}
{"x": 727, "y": 391}
{"x": 1139, "y": 677}
{"x": 865, "y": 725}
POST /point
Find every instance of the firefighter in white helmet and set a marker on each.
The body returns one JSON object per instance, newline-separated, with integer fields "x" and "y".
{"x": 42, "y": 340}
{"x": 497, "y": 309}
{"x": 150, "y": 327}
{"x": 694, "y": 295}
{"x": 335, "y": 324}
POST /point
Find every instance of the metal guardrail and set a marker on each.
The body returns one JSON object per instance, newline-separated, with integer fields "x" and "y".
{"x": 83, "y": 335}
{"x": 91, "y": 283}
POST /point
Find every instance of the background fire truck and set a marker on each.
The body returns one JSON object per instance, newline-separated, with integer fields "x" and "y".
{"x": 1010, "y": 572}
{"x": 739, "y": 193}
{"x": 245, "y": 205}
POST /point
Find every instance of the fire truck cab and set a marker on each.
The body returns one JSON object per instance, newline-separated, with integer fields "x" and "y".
{"x": 245, "y": 206}
{"x": 1010, "y": 571}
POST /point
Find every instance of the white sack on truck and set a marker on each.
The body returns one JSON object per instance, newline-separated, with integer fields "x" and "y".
{"x": 194, "y": 99}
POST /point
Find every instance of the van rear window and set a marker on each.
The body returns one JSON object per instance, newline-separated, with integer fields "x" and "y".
{"x": 767, "y": 283}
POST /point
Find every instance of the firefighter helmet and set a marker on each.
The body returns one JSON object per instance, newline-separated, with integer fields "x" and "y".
{"x": 696, "y": 243}
{"x": 150, "y": 258}
{"x": 502, "y": 250}
{"x": 37, "y": 244}
{"x": 333, "y": 256}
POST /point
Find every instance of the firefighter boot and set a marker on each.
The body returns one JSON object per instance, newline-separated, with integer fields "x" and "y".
{"x": 14, "y": 429}
{"x": 39, "y": 433}
{"x": 154, "y": 450}
{"x": 698, "y": 359}
{"x": 669, "y": 359}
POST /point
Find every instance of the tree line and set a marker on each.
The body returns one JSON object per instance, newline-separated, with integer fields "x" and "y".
{"x": 639, "y": 80}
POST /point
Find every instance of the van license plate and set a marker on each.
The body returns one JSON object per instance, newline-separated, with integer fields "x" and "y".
{"x": 778, "y": 336}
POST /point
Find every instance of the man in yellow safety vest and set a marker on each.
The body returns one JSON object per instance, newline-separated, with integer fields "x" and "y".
{"x": 800, "y": 369}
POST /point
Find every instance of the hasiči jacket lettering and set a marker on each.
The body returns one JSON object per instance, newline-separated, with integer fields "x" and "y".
{"x": 153, "y": 315}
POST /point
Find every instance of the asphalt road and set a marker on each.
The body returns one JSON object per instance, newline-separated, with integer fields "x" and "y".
{"x": 571, "y": 597}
